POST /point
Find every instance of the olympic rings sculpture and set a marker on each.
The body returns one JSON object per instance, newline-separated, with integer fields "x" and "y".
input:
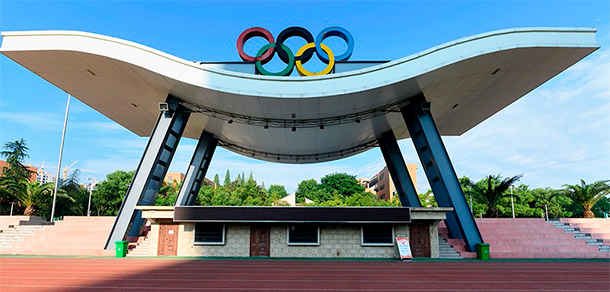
{"x": 304, "y": 54}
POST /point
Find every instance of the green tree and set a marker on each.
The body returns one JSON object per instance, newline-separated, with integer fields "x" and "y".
{"x": 276, "y": 192}
{"x": 427, "y": 199}
{"x": 108, "y": 196}
{"x": 217, "y": 180}
{"x": 586, "y": 195}
{"x": 167, "y": 194}
{"x": 346, "y": 185}
{"x": 227, "y": 179}
{"x": 603, "y": 205}
{"x": 307, "y": 189}
{"x": 491, "y": 190}
{"x": 15, "y": 154}
{"x": 74, "y": 204}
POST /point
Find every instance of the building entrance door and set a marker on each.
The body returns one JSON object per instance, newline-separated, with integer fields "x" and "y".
{"x": 259, "y": 240}
{"x": 420, "y": 240}
{"x": 168, "y": 240}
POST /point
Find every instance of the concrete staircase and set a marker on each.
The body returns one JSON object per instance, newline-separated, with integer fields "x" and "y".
{"x": 140, "y": 249}
{"x": 595, "y": 231}
{"x": 446, "y": 250}
{"x": 72, "y": 236}
{"x": 16, "y": 233}
{"x": 526, "y": 238}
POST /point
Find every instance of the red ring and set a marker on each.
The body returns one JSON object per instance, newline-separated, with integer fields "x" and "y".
{"x": 250, "y": 33}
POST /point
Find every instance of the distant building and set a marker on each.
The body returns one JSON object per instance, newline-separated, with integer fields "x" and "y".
{"x": 178, "y": 177}
{"x": 33, "y": 170}
{"x": 46, "y": 177}
{"x": 381, "y": 184}
{"x": 365, "y": 182}
{"x": 89, "y": 186}
{"x": 170, "y": 177}
{"x": 291, "y": 200}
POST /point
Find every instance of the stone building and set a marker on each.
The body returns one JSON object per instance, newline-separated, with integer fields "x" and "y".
{"x": 291, "y": 232}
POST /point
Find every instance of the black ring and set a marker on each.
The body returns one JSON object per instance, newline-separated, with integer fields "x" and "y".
{"x": 291, "y": 32}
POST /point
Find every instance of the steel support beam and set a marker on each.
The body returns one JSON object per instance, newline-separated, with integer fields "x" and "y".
{"x": 151, "y": 171}
{"x": 439, "y": 171}
{"x": 398, "y": 170}
{"x": 197, "y": 169}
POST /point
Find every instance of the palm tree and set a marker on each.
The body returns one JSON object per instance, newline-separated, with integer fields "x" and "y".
{"x": 492, "y": 191}
{"x": 31, "y": 194}
{"x": 586, "y": 195}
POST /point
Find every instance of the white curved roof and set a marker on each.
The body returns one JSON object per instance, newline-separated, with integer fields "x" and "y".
{"x": 125, "y": 81}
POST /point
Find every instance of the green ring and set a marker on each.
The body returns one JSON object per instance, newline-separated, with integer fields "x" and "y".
{"x": 289, "y": 67}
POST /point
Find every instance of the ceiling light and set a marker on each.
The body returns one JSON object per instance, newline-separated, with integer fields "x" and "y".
{"x": 294, "y": 129}
{"x": 231, "y": 121}
{"x": 163, "y": 107}
{"x": 321, "y": 127}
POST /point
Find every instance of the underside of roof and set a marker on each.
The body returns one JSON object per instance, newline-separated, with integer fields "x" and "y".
{"x": 466, "y": 81}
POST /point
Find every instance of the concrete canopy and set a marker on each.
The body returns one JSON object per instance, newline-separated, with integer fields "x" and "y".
{"x": 467, "y": 81}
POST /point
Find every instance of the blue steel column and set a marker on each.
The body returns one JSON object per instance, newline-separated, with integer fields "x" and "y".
{"x": 440, "y": 172}
{"x": 398, "y": 170}
{"x": 151, "y": 171}
{"x": 197, "y": 169}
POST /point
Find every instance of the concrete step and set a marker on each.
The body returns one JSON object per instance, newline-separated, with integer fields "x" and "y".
{"x": 548, "y": 255}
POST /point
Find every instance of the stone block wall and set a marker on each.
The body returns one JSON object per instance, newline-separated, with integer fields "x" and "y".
{"x": 237, "y": 242}
{"x": 336, "y": 241}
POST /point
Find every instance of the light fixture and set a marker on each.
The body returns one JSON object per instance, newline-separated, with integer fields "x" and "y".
{"x": 163, "y": 107}
{"x": 266, "y": 126}
{"x": 425, "y": 106}
{"x": 321, "y": 127}
{"x": 495, "y": 71}
{"x": 294, "y": 129}
{"x": 454, "y": 106}
{"x": 230, "y": 121}
{"x": 357, "y": 120}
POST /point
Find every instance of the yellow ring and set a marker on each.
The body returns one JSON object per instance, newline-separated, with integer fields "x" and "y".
{"x": 327, "y": 70}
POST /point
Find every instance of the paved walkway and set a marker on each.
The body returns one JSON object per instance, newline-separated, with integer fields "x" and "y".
{"x": 149, "y": 274}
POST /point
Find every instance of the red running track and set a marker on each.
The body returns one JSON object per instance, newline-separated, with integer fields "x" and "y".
{"x": 128, "y": 274}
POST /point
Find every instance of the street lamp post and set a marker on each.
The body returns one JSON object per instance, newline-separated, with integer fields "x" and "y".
{"x": 61, "y": 151}
{"x": 512, "y": 202}
{"x": 90, "y": 192}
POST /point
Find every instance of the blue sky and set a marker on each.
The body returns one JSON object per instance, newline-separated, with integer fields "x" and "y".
{"x": 555, "y": 135}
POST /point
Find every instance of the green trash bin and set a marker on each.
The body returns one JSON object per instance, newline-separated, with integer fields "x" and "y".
{"x": 483, "y": 251}
{"x": 121, "y": 249}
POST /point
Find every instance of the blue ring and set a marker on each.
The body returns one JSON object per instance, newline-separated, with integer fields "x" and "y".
{"x": 339, "y": 32}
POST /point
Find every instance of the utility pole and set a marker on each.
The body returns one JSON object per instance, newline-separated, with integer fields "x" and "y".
{"x": 61, "y": 151}
{"x": 546, "y": 210}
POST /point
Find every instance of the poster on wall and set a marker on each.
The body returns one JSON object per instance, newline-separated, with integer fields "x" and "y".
{"x": 402, "y": 241}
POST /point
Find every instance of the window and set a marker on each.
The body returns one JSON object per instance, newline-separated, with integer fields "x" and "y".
{"x": 209, "y": 233}
{"x": 303, "y": 234}
{"x": 377, "y": 234}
